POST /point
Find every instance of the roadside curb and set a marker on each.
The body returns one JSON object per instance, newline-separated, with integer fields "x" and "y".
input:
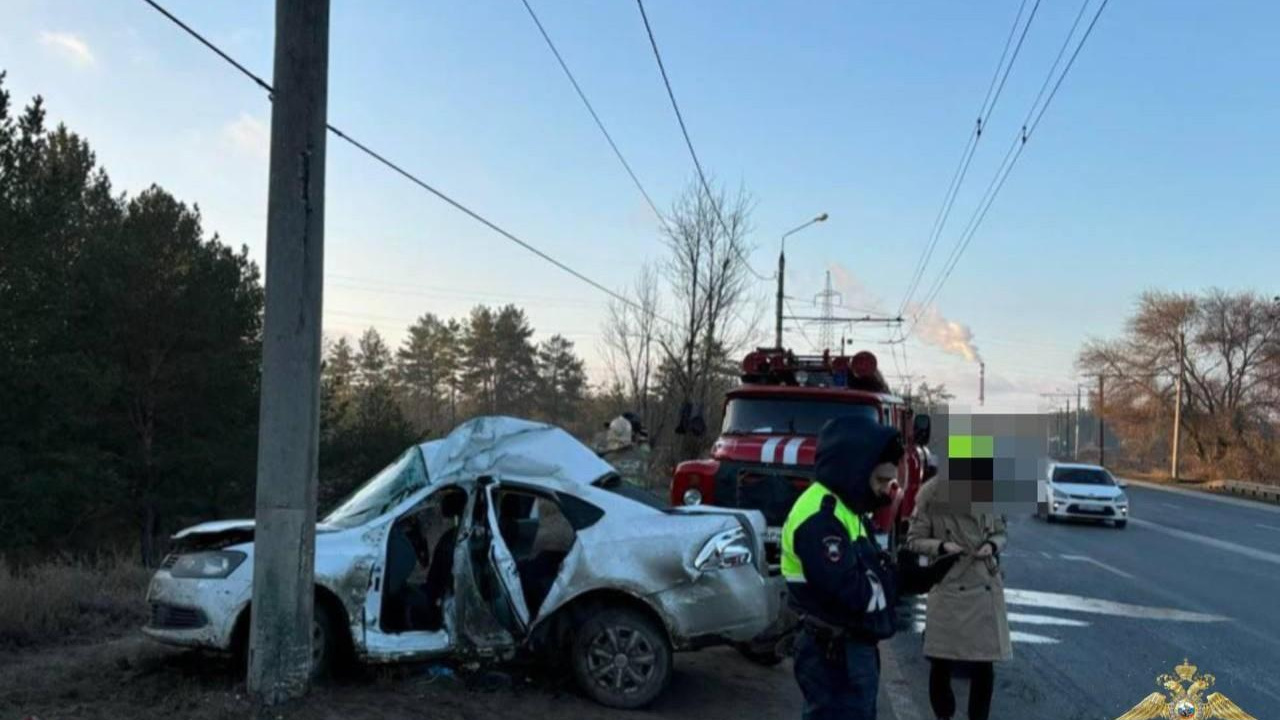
{"x": 1208, "y": 495}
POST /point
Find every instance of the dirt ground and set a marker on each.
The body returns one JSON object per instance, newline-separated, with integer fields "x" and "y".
{"x": 134, "y": 678}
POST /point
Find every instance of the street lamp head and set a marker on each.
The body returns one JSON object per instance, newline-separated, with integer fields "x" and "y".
{"x": 821, "y": 218}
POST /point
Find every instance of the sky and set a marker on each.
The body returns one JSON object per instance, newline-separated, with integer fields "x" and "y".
{"x": 1156, "y": 167}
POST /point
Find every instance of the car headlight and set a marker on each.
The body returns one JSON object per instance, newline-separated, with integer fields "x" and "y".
{"x": 1059, "y": 495}
{"x": 208, "y": 565}
{"x": 692, "y": 496}
{"x": 729, "y": 549}
{"x": 1122, "y": 499}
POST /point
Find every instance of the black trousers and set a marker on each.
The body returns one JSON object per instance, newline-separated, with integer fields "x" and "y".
{"x": 981, "y": 685}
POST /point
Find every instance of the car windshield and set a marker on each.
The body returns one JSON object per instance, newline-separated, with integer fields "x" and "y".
{"x": 799, "y": 416}
{"x": 1082, "y": 476}
{"x": 394, "y": 483}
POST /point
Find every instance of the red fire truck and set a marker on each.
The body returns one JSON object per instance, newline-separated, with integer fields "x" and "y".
{"x": 764, "y": 457}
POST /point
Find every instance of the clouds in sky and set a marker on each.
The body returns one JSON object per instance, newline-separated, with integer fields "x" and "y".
{"x": 249, "y": 135}
{"x": 70, "y": 47}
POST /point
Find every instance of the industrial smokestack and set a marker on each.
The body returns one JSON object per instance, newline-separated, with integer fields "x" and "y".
{"x": 982, "y": 382}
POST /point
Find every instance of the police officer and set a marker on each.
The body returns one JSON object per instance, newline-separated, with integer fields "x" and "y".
{"x": 838, "y": 579}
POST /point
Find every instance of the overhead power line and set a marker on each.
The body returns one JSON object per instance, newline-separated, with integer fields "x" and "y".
{"x": 800, "y": 327}
{"x": 994, "y": 90}
{"x": 1030, "y": 123}
{"x": 594, "y": 116}
{"x": 408, "y": 175}
{"x": 684, "y": 130}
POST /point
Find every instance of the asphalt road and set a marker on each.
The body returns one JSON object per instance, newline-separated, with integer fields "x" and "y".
{"x": 1097, "y": 613}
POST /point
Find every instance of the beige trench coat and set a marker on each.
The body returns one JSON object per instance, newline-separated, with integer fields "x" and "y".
{"x": 966, "y": 617}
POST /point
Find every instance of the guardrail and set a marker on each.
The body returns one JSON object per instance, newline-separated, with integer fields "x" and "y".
{"x": 1257, "y": 491}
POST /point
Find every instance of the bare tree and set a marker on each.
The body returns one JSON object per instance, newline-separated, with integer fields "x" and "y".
{"x": 708, "y": 278}
{"x": 630, "y": 342}
{"x": 1227, "y": 348}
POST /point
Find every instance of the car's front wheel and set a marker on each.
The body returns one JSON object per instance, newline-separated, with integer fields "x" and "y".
{"x": 1120, "y": 524}
{"x": 621, "y": 658}
{"x": 325, "y": 642}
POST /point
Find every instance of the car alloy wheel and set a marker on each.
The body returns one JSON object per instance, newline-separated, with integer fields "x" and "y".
{"x": 621, "y": 658}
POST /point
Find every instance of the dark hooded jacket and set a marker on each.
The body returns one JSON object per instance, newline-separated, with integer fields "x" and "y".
{"x": 842, "y": 581}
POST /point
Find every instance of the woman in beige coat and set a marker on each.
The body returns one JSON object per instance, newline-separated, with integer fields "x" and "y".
{"x": 966, "y": 619}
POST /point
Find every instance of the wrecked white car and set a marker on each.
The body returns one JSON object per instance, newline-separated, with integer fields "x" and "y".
{"x": 507, "y": 536}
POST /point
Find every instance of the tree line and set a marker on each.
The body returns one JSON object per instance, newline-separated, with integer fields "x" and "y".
{"x": 131, "y": 338}
{"x": 1223, "y": 350}
{"x": 130, "y": 346}
{"x": 376, "y": 401}
{"x": 129, "y": 352}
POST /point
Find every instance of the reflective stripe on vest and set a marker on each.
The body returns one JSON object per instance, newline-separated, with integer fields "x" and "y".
{"x": 807, "y": 505}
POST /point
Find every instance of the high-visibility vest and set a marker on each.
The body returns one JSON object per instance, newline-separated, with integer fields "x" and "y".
{"x": 807, "y": 505}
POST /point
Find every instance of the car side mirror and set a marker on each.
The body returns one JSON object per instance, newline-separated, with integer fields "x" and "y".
{"x": 920, "y": 429}
{"x": 1121, "y": 484}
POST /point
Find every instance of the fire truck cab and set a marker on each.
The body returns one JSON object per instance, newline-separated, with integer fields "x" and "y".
{"x": 764, "y": 457}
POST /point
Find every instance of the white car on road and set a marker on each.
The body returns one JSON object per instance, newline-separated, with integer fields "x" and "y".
{"x": 507, "y": 536}
{"x": 1086, "y": 492}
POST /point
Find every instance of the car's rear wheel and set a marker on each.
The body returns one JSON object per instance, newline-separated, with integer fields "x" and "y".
{"x": 621, "y": 658}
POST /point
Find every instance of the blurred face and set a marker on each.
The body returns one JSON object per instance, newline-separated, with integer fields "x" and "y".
{"x": 884, "y": 478}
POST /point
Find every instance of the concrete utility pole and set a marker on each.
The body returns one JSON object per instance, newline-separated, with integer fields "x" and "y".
{"x": 1102, "y": 435}
{"x": 289, "y": 417}
{"x": 1075, "y": 454}
{"x": 1177, "y": 409}
{"x": 782, "y": 267}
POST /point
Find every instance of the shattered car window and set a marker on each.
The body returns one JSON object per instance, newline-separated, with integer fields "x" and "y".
{"x": 394, "y": 483}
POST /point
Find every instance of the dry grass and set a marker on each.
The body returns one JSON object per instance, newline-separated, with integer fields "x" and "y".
{"x": 62, "y": 602}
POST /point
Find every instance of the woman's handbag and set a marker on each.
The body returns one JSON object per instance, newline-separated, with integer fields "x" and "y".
{"x": 917, "y": 573}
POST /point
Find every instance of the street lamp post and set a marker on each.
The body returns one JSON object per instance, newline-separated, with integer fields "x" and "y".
{"x": 782, "y": 266}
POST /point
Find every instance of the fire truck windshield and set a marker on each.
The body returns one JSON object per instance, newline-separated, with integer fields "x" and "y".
{"x": 776, "y": 416}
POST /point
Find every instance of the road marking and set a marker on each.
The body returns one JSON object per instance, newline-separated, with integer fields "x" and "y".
{"x": 1077, "y": 603}
{"x": 1031, "y": 638}
{"x": 1249, "y": 552}
{"x": 1168, "y": 504}
{"x": 1098, "y": 563}
{"x": 1030, "y": 619}
{"x": 1017, "y": 636}
{"x": 1269, "y": 527}
{"x": 1046, "y": 554}
{"x": 791, "y": 451}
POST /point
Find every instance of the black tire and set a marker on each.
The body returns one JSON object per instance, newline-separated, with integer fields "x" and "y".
{"x": 764, "y": 657}
{"x": 621, "y": 658}
{"x": 1120, "y": 524}
{"x": 326, "y": 643}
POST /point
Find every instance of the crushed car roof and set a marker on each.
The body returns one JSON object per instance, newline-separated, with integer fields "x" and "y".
{"x": 512, "y": 449}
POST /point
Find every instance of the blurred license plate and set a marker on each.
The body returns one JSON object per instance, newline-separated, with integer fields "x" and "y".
{"x": 773, "y": 535}
{"x": 1091, "y": 509}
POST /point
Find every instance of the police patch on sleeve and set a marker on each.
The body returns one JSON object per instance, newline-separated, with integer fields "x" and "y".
{"x": 833, "y": 547}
